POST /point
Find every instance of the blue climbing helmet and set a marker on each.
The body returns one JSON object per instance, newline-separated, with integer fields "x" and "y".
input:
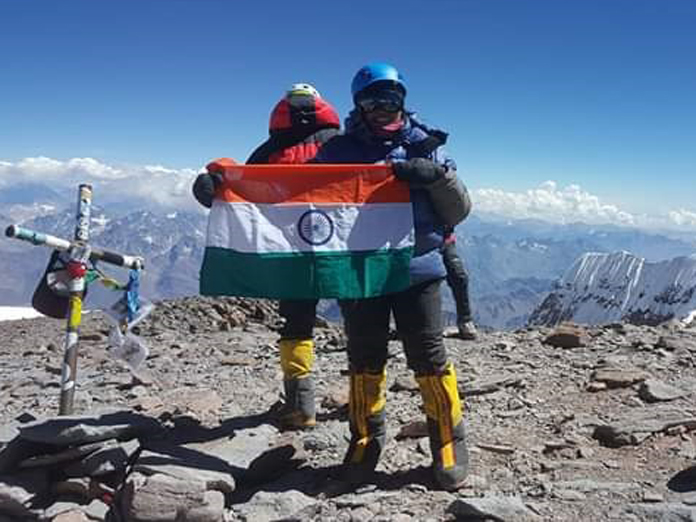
{"x": 373, "y": 73}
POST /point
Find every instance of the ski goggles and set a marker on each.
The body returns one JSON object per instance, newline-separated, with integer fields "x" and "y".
{"x": 385, "y": 101}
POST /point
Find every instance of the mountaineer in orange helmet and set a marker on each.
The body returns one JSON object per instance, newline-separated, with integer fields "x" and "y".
{"x": 300, "y": 123}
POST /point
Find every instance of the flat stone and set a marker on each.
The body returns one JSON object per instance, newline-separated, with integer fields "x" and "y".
{"x": 501, "y": 449}
{"x": 673, "y": 342}
{"x": 492, "y": 384}
{"x": 569, "y": 494}
{"x": 8, "y": 432}
{"x": 74, "y": 487}
{"x": 567, "y": 336}
{"x": 476, "y": 482}
{"x": 635, "y": 428}
{"x": 15, "y": 496}
{"x": 25, "y": 417}
{"x": 57, "y": 508}
{"x": 413, "y": 430}
{"x": 652, "y": 496}
{"x": 362, "y": 513}
{"x": 266, "y": 506}
{"x": 556, "y": 445}
{"x": 619, "y": 378}
{"x": 160, "y": 497}
{"x": 366, "y": 495}
{"x": 591, "y": 486}
{"x": 188, "y": 465}
{"x": 113, "y": 456}
{"x": 498, "y": 508}
{"x": 75, "y": 515}
{"x": 150, "y": 404}
{"x": 337, "y": 397}
{"x": 663, "y": 511}
{"x": 212, "y": 510}
{"x": 689, "y": 498}
{"x": 406, "y": 383}
{"x": 18, "y": 450}
{"x": 73, "y": 430}
{"x": 286, "y": 454}
{"x": 237, "y": 360}
{"x": 143, "y": 377}
{"x": 199, "y": 404}
{"x": 653, "y": 390}
{"x": 246, "y": 445}
{"x": 595, "y": 386}
{"x": 62, "y": 456}
{"x": 96, "y": 509}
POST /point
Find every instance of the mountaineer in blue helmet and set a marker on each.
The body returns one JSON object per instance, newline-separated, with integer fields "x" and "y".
{"x": 379, "y": 129}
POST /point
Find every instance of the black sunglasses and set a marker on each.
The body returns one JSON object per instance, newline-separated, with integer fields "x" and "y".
{"x": 387, "y": 102}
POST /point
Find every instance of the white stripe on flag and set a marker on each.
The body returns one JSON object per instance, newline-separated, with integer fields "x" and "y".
{"x": 263, "y": 228}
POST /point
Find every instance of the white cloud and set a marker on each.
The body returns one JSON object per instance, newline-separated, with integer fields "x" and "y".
{"x": 91, "y": 167}
{"x": 683, "y": 218}
{"x": 551, "y": 203}
{"x": 570, "y": 204}
{"x": 170, "y": 188}
{"x": 42, "y": 168}
{"x": 160, "y": 185}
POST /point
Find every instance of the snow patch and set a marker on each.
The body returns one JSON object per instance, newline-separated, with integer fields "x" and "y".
{"x": 602, "y": 288}
{"x": 12, "y": 313}
{"x": 689, "y": 319}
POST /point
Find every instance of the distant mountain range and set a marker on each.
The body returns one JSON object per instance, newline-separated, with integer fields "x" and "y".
{"x": 513, "y": 264}
{"x": 605, "y": 288}
{"x": 171, "y": 244}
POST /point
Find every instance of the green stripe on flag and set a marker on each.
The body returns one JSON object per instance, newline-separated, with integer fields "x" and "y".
{"x": 345, "y": 275}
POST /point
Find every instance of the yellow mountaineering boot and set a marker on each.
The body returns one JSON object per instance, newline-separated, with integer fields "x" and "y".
{"x": 296, "y": 358}
{"x": 445, "y": 427}
{"x": 367, "y": 425}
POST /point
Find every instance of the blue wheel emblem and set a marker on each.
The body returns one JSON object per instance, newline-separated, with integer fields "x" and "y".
{"x": 315, "y": 227}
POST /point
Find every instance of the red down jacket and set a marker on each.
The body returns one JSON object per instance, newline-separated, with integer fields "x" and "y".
{"x": 299, "y": 126}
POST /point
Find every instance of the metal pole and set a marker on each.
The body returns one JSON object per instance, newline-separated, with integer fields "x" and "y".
{"x": 57, "y": 243}
{"x": 79, "y": 254}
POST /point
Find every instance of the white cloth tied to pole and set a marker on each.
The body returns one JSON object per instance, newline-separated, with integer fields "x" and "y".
{"x": 126, "y": 346}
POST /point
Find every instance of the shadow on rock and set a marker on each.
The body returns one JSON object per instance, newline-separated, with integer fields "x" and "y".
{"x": 308, "y": 480}
{"x": 683, "y": 481}
{"x": 340, "y": 414}
{"x": 190, "y": 430}
{"x": 327, "y": 482}
{"x": 421, "y": 475}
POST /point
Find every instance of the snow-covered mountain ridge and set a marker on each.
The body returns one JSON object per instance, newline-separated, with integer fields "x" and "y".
{"x": 602, "y": 288}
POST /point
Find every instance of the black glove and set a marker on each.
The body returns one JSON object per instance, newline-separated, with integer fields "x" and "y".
{"x": 418, "y": 171}
{"x": 204, "y": 187}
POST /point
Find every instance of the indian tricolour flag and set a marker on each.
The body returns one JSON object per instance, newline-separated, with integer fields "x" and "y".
{"x": 307, "y": 231}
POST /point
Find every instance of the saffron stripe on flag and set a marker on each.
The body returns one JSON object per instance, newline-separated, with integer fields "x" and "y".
{"x": 347, "y": 275}
{"x": 287, "y": 184}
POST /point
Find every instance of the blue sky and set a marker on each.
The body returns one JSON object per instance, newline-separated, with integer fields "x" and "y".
{"x": 595, "y": 93}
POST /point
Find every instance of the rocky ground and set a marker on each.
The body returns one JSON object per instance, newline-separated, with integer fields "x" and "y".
{"x": 564, "y": 425}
